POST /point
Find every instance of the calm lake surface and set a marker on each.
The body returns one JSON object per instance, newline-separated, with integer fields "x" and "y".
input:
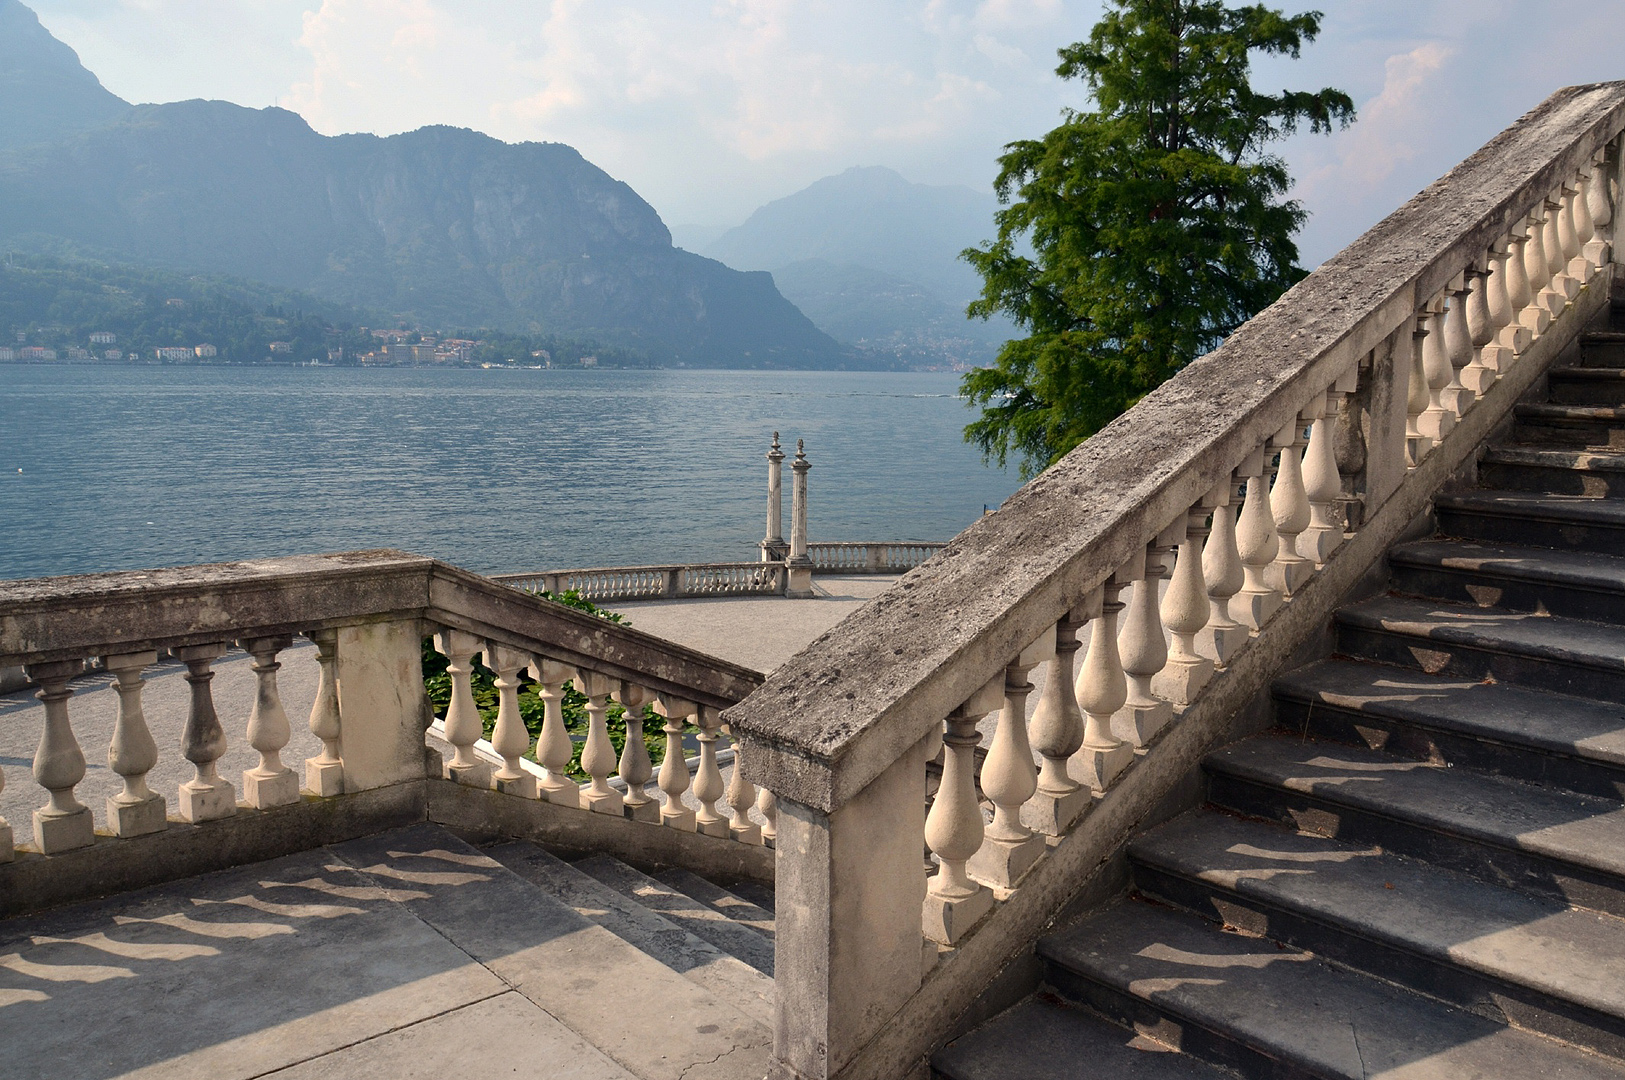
{"x": 125, "y": 467}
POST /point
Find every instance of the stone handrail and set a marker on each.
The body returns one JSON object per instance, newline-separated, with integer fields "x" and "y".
{"x": 1331, "y": 418}
{"x": 675, "y": 582}
{"x": 368, "y": 614}
{"x": 894, "y": 557}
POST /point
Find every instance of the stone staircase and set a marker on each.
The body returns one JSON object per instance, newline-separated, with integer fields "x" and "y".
{"x": 405, "y": 954}
{"x": 1420, "y": 870}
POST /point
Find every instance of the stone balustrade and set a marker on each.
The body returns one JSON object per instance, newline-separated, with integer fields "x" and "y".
{"x": 677, "y": 582}
{"x": 368, "y": 614}
{"x": 867, "y": 558}
{"x": 1260, "y": 483}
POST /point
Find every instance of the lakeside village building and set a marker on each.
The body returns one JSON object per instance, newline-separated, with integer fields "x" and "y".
{"x": 73, "y": 353}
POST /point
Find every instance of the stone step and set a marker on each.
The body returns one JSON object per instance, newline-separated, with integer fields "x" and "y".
{"x": 1249, "y": 1004}
{"x": 757, "y": 893}
{"x": 1546, "y": 423}
{"x": 694, "y": 958}
{"x": 715, "y": 896}
{"x": 577, "y": 971}
{"x": 1501, "y": 952}
{"x": 1575, "y": 744}
{"x": 1554, "y": 843}
{"x": 1602, "y": 348}
{"x": 1587, "y": 385}
{"x": 1593, "y": 473}
{"x": 1575, "y": 585}
{"x": 1565, "y": 522}
{"x": 1585, "y": 659}
{"x": 1046, "y": 1038}
{"x": 701, "y": 920}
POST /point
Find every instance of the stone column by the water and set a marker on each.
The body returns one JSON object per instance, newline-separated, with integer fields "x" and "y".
{"x": 773, "y": 548}
{"x": 800, "y": 565}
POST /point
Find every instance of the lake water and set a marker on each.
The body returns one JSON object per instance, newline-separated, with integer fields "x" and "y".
{"x": 122, "y": 467}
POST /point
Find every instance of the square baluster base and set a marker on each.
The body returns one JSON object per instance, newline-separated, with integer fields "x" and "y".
{"x": 1052, "y": 814}
{"x": 64, "y": 832}
{"x": 137, "y": 818}
{"x": 647, "y": 810}
{"x": 947, "y": 920}
{"x": 1252, "y": 610}
{"x": 206, "y": 802}
{"x": 1097, "y": 767}
{"x": 560, "y": 792}
{"x": 717, "y": 828}
{"x": 8, "y": 845}
{"x": 1457, "y": 398}
{"x": 750, "y": 834}
{"x": 1596, "y": 252}
{"x": 523, "y": 785}
{"x": 604, "y": 802}
{"x": 1139, "y": 724}
{"x": 681, "y": 818}
{"x": 1219, "y": 643}
{"x": 263, "y": 792}
{"x": 1002, "y": 862}
{"x": 324, "y": 778}
{"x": 475, "y": 775}
{"x": 1182, "y": 678}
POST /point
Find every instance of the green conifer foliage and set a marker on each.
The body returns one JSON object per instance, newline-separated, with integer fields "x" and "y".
{"x": 1136, "y": 236}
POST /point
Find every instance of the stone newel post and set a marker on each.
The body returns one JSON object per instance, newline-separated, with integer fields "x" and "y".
{"x": 800, "y": 565}
{"x": 773, "y": 548}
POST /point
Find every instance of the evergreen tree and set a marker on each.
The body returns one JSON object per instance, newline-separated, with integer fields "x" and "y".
{"x": 1136, "y": 236}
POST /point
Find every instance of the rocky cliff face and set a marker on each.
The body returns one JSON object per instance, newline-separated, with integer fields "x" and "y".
{"x": 45, "y": 93}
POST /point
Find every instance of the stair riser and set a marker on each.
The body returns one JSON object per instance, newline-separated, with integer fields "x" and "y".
{"x": 1482, "y": 859}
{"x": 1475, "y": 662}
{"x": 1568, "y": 434}
{"x": 1503, "y": 529}
{"x": 1487, "y": 589}
{"x": 1420, "y": 743}
{"x": 1552, "y": 480}
{"x": 1191, "y": 1038}
{"x": 1587, "y": 391}
{"x": 1437, "y": 976}
{"x": 1610, "y": 354}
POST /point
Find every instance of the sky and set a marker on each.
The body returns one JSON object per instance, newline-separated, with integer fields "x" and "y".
{"x": 709, "y": 108}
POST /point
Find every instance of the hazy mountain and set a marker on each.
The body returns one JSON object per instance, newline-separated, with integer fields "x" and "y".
{"x": 45, "y": 93}
{"x": 443, "y": 225}
{"x": 872, "y": 258}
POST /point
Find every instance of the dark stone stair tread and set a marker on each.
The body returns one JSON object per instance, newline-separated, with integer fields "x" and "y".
{"x": 1559, "y": 509}
{"x": 1505, "y": 935}
{"x": 698, "y": 919}
{"x": 1578, "y": 460}
{"x": 690, "y": 956}
{"x": 1587, "y": 374}
{"x": 1578, "y": 830}
{"x": 1554, "y": 723}
{"x": 715, "y": 896}
{"x": 1573, "y": 641}
{"x": 1288, "y": 1005}
{"x": 1043, "y": 1038}
{"x": 1551, "y": 410}
{"x": 1536, "y": 564}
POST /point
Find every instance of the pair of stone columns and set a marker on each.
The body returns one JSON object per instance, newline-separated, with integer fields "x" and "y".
{"x": 798, "y": 563}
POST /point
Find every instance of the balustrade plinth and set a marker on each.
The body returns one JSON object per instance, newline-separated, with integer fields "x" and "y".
{"x": 1052, "y": 813}
{"x": 55, "y": 833}
{"x": 1098, "y": 766}
{"x": 949, "y": 917}
{"x": 1001, "y": 860}
{"x": 1179, "y": 682}
{"x": 476, "y": 775}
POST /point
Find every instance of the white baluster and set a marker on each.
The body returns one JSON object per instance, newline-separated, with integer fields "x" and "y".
{"x": 1458, "y": 346}
{"x": 741, "y": 797}
{"x": 1507, "y": 336}
{"x": 708, "y": 787}
{"x": 509, "y": 737}
{"x": 324, "y": 774}
{"x": 635, "y": 767}
{"x": 1009, "y": 778}
{"x": 767, "y": 804}
{"x": 463, "y": 724}
{"x": 1221, "y": 568}
{"x": 1479, "y": 374}
{"x": 270, "y": 783}
{"x": 954, "y": 901}
{"x": 1185, "y": 614}
{"x": 1258, "y": 544}
{"x": 1437, "y": 420}
{"x": 674, "y": 768}
{"x": 1599, "y": 203}
{"x": 137, "y": 809}
{"x": 1520, "y": 291}
{"x": 1545, "y": 303}
{"x": 1102, "y": 688}
{"x": 1562, "y": 288}
{"x": 1144, "y": 652}
{"x": 203, "y": 741}
{"x": 553, "y": 747}
{"x": 1585, "y": 229}
{"x": 1056, "y": 730}
{"x": 1289, "y": 505}
{"x": 598, "y": 753}
{"x": 1568, "y": 232}
{"x": 1417, "y": 396}
{"x": 63, "y": 823}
